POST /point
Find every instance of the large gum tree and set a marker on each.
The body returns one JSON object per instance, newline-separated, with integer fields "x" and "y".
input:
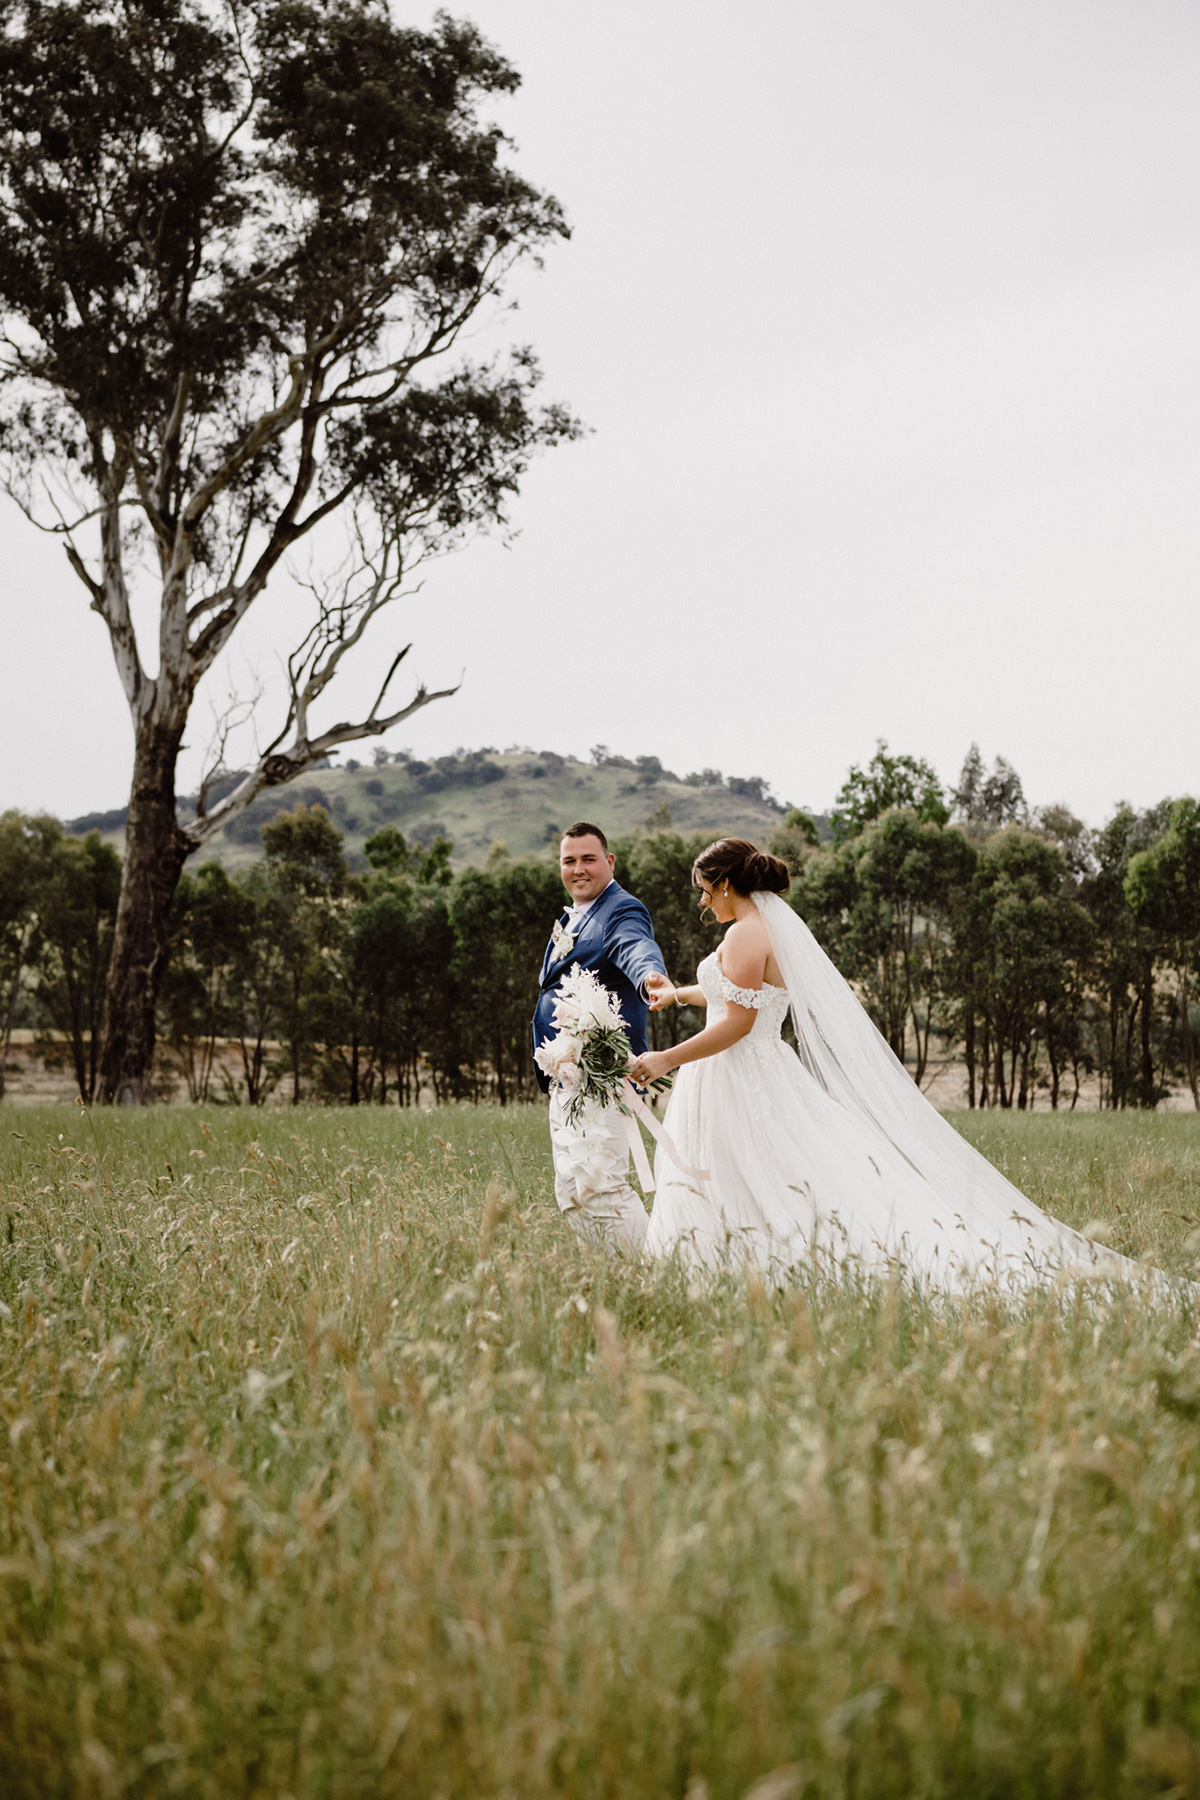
{"x": 239, "y": 243}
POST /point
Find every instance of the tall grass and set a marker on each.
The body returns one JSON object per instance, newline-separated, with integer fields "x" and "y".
{"x": 335, "y": 1467}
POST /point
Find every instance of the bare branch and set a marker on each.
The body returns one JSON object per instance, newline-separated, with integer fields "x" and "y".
{"x": 267, "y": 426}
{"x": 277, "y": 768}
{"x": 229, "y": 719}
{"x": 168, "y": 456}
{"x": 158, "y": 524}
{"x": 93, "y": 587}
{"x": 64, "y": 527}
{"x": 110, "y": 596}
{"x": 307, "y": 369}
{"x": 370, "y": 578}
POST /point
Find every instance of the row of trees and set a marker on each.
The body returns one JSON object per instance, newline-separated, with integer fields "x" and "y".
{"x": 58, "y": 905}
{"x": 1039, "y": 950}
{"x": 1035, "y": 950}
{"x": 341, "y": 985}
{"x": 347, "y": 985}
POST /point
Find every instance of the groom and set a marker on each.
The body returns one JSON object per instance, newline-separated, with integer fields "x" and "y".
{"x": 609, "y": 932}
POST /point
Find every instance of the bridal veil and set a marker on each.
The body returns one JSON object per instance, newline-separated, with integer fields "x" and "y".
{"x": 955, "y": 1218}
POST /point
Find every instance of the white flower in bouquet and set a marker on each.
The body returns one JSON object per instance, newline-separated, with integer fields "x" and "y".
{"x": 586, "y": 1003}
{"x": 570, "y": 1077}
{"x": 590, "y": 1055}
{"x": 558, "y": 1055}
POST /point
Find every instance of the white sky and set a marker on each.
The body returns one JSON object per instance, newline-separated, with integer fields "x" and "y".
{"x": 884, "y": 318}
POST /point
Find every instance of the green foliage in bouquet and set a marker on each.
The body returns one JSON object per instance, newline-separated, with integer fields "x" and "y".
{"x": 589, "y": 1057}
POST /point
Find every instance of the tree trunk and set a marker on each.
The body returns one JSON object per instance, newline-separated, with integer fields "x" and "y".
{"x": 252, "y": 1068}
{"x": 502, "y": 1091}
{"x": 297, "y": 1001}
{"x": 155, "y": 852}
{"x": 969, "y": 1048}
{"x": 13, "y": 995}
{"x": 985, "y": 1062}
{"x": 1147, "y": 1094}
{"x": 210, "y": 1052}
{"x": 78, "y": 1055}
{"x": 1127, "y": 1057}
{"x": 1189, "y": 1042}
{"x": 1114, "y": 1039}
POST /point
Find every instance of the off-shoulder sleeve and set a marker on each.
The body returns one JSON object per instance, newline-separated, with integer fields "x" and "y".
{"x": 751, "y": 997}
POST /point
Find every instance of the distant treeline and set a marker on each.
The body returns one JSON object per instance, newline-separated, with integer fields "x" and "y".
{"x": 1034, "y": 949}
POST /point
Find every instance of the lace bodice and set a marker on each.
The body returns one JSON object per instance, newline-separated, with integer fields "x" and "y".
{"x": 770, "y": 1003}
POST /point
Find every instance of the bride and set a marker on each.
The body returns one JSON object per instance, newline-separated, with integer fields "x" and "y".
{"x": 834, "y": 1152}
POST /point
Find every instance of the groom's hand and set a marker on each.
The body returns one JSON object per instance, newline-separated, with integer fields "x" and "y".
{"x": 660, "y": 991}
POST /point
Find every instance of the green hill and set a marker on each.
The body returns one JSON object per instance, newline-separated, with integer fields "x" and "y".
{"x": 477, "y": 798}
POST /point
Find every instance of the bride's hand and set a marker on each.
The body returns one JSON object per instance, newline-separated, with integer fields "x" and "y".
{"x": 660, "y": 992}
{"x": 650, "y": 1065}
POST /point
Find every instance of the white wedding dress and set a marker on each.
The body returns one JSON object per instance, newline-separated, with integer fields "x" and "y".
{"x": 834, "y": 1153}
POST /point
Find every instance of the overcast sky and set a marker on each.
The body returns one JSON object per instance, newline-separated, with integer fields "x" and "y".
{"x": 884, "y": 320}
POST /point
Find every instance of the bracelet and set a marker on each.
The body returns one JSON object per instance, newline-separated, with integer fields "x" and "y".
{"x": 678, "y": 1001}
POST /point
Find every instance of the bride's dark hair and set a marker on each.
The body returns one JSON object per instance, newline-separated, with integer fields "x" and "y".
{"x": 746, "y": 868}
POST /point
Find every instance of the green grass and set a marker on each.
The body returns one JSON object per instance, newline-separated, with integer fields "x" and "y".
{"x": 335, "y": 1466}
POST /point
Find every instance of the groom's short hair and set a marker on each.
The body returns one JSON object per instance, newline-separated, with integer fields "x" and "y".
{"x": 583, "y": 829}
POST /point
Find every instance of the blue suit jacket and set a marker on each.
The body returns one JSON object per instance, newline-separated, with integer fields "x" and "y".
{"x": 616, "y": 942}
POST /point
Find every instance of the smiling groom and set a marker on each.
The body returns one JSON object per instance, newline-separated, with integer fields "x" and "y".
{"x": 609, "y": 932}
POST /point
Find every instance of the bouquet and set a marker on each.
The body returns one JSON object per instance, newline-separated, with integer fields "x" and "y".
{"x": 589, "y": 1056}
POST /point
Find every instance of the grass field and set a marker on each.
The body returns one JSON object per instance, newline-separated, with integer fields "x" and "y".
{"x": 335, "y": 1467}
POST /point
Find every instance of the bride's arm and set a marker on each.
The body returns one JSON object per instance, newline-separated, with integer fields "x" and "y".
{"x": 662, "y": 993}
{"x": 733, "y": 1024}
{"x": 744, "y": 954}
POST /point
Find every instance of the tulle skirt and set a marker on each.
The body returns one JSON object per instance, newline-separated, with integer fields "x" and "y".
{"x": 794, "y": 1176}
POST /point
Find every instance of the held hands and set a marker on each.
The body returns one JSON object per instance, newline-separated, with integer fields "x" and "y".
{"x": 660, "y": 992}
{"x": 651, "y": 1065}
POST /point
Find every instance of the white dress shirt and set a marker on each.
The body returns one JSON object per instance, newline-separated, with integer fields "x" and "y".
{"x": 577, "y": 913}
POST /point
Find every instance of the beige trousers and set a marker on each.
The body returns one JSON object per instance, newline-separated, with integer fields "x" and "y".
{"x": 591, "y": 1185}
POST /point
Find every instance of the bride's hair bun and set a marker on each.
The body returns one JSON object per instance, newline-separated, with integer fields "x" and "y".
{"x": 746, "y": 868}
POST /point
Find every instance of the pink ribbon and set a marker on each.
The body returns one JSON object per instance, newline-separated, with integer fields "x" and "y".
{"x": 641, "y": 1161}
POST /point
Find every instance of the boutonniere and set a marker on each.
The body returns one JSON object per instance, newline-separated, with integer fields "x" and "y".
{"x": 562, "y": 940}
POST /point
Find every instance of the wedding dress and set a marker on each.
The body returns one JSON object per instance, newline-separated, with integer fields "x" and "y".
{"x": 835, "y": 1153}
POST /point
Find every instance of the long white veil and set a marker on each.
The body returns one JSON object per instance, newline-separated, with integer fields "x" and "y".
{"x": 942, "y": 1186}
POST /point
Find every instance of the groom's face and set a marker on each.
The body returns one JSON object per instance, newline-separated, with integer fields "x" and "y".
{"x": 586, "y": 867}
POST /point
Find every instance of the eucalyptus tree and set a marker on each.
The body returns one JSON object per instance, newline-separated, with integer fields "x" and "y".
{"x": 213, "y": 921}
{"x": 1132, "y": 1028}
{"x": 1163, "y": 888}
{"x": 1034, "y": 938}
{"x": 885, "y": 905}
{"x": 77, "y": 908}
{"x": 986, "y": 803}
{"x": 889, "y": 780}
{"x": 501, "y": 919}
{"x": 239, "y": 241}
{"x": 26, "y": 848}
{"x": 306, "y": 878}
